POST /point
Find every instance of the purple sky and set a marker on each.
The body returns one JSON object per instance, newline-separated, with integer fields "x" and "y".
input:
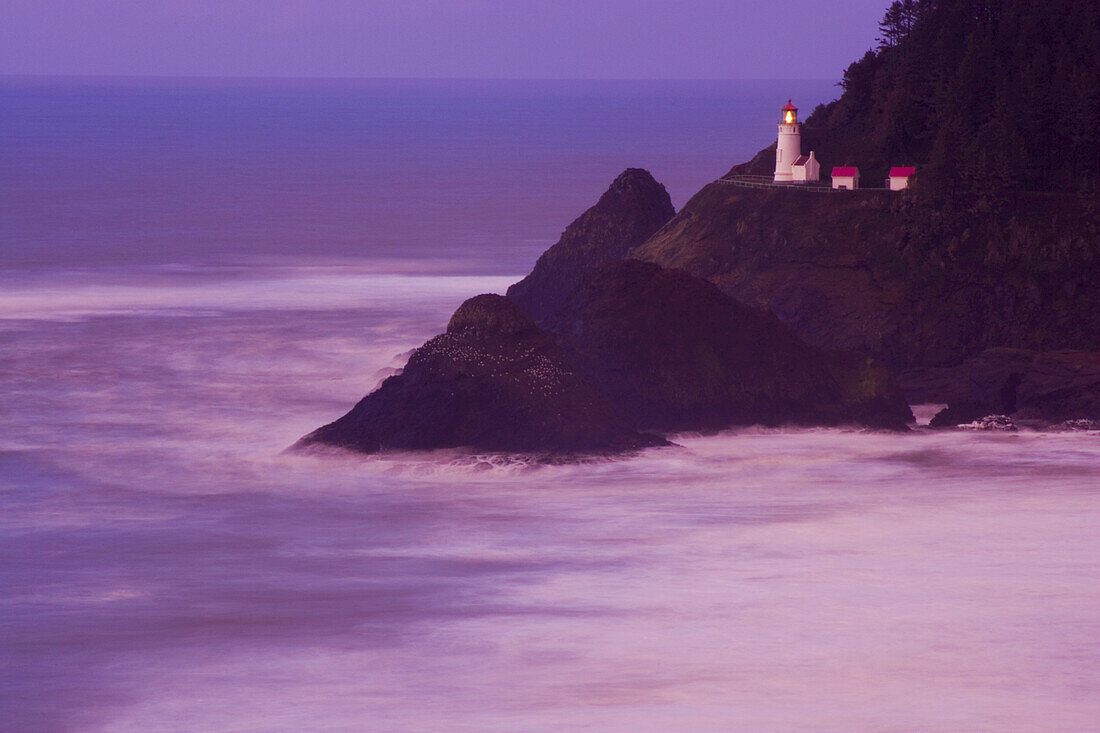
{"x": 438, "y": 38}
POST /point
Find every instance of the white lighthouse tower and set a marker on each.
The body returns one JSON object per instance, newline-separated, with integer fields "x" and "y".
{"x": 789, "y": 147}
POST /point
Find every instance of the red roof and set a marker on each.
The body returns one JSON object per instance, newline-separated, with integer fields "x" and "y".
{"x": 845, "y": 172}
{"x": 790, "y": 107}
{"x": 901, "y": 172}
{"x": 802, "y": 160}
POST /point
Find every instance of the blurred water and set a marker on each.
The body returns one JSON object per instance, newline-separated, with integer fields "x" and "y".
{"x": 165, "y": 567}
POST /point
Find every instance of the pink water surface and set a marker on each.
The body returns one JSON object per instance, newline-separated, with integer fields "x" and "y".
{"x": 167, "y": 568}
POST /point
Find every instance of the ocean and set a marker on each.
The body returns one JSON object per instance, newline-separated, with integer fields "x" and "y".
{"x": 195, "y": 273}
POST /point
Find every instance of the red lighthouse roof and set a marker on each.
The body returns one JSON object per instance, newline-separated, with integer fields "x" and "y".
{"x": 790, "y": 107}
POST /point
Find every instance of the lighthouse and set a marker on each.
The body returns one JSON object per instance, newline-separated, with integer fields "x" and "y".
{"x": 789, "y": 147}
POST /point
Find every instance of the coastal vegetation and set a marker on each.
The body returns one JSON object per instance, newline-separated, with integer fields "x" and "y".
{"x": 988, "y": 97}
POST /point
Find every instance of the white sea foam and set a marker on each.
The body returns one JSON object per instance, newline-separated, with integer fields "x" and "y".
{"x": 169, "y": 568}
{"x": 68, "y": 296}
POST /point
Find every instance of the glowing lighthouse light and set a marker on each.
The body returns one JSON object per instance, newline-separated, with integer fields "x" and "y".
{"x": 790, "y": 114}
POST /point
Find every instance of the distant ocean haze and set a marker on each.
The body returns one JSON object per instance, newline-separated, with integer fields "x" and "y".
{"x": 478, "y": 175}
{"x": 193, "y": 274}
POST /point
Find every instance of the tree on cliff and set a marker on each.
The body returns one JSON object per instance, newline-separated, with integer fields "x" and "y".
{"x": 899, "y": 21}
{"x": 982, "y": 94}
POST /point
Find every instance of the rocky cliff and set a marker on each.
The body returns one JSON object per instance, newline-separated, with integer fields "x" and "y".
{"x": 1039, "y": 389}
{"x": 675, "y": 353}
{"x": 625, "y": 349}
{"x": 885, "y": 275}
{"x": 628, "y": 213}
{"x": 493, "y": 382}
{"x": 998, "y": 243}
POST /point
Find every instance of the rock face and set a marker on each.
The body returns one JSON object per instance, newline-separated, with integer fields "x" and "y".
{"x": 988, "y": 381}
{"x": 494, "y": 382}
{"x": 1061, "y": 386}
{"x": 994, "y": 423}
{"x": 619, "y": 349}
{"x": 636, "y": 348}
{"x": 959, "y": 413}
{"x": 1077, "y": 426}
{"x": 1035, "y": 388}
{"x": 878, "y": 274}
{"x": 677, "y": 354}
{"x": 632, "y": 209}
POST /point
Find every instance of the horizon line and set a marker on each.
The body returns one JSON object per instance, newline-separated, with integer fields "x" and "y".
{"x": 16, "y": 75}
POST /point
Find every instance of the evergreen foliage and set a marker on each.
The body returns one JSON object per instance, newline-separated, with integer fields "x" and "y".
{"x": 986, "y": 96}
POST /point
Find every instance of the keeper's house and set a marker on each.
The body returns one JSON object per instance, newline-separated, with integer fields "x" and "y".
{"x": 806, "y": 169}
{"x": 899, "y": 178}
{"x": 846, "y": 177}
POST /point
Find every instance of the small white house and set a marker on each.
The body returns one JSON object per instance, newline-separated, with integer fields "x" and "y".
{"x": 899, "y": 178}
{"x": 846, "y": 177}
{"x": 806, "y": 169}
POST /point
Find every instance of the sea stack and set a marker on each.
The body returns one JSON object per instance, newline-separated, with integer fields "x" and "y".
{"x": 493, "y": 382}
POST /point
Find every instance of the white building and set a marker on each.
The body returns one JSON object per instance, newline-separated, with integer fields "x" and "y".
{"x": 789, "y": 147}
{"x": 846, "y": 177}
{"x": 899, "y": 178}
{"x": 806, "y": 169}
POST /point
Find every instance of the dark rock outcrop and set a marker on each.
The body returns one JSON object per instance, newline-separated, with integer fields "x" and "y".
{"x": 628, "y": 347}
{"x": 1036, "y": 388}
{"x": 636, "y": 348}
{"x": 1072, "y": 426}
{"x": 992, "y": 423}
{"x": 678, "y": 354}
{"x": 1060, "y": 386}
{"x": 493, "y": 382}
{"x": 961, "y": 413}
{"x": 879, "y": 274}
{"x": 628, "y": 213}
